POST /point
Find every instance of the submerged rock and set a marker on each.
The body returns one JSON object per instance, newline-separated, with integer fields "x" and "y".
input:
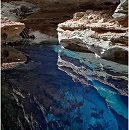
{"x": 97, "y": 72}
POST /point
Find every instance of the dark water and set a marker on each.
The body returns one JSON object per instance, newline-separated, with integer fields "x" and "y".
{"x": 58, "y": 89}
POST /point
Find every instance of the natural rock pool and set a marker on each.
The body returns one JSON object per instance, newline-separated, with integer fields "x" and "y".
{"x": 59, "y": 89}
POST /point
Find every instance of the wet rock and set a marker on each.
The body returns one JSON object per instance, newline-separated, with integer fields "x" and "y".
{"x": 121, "y": 10}
{"x": 116, "y": 54}
{"x": 73, "y": 45}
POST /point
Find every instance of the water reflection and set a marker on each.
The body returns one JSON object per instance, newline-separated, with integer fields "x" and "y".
{"x": 99, "y": 79}
{"x": 61, "y": 90}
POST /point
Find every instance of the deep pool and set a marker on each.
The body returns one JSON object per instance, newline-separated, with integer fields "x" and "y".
{"x": 59, "y": 89}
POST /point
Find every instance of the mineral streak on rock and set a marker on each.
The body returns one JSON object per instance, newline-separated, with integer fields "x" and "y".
{"x": 100, "y": 33}
{"x": 10, "y": 29}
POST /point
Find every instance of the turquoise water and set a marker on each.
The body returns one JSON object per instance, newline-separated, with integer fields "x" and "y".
{"x": 59, "y": 89}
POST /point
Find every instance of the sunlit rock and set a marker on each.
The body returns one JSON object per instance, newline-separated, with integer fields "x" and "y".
{"x": 98, "y": 31}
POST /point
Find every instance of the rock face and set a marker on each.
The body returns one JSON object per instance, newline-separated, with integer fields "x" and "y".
{"x": 121, "y": 12}
{"x": 98, "y": 32}
{"x": 10, "y": 30}
{"x": 65, "y": 5}
{"x": 16, "y": 10}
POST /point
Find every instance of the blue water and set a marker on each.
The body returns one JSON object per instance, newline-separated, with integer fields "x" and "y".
{"x": 59, "y": 89}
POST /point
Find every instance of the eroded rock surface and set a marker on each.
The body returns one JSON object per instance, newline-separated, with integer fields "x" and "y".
{"x": 10, "y": 29}
{"x": 65, "y": 5}
{"x": 121, "y": 12}
{"x": 16, "y": 10}
{"x": 98, "y": 32}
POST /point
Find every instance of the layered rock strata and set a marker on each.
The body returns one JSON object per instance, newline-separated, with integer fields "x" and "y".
{"x": 97, "y": 73}
{"x": 97, "y": 32}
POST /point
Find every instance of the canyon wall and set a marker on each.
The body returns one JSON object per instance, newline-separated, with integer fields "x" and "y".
{"x": 98, "y": 32}
{"x": 65, "y": 5}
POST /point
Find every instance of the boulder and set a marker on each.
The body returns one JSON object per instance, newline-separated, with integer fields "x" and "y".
{"x": 10, "y": 30}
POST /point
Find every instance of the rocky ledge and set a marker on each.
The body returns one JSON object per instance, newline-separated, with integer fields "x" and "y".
{"x": 98, "y": 32}
{"x": 10, "y": 30}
